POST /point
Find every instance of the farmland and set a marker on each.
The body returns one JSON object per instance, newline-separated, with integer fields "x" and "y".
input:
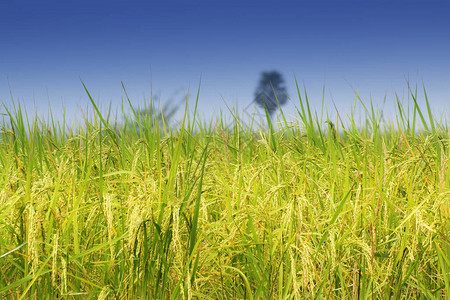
{"x": 305, "y": 209}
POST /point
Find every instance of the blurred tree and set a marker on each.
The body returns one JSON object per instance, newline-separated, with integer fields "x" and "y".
{"x": 143, "y": 119}
{"x": 148, "y": 116}
{"x": 271, "y": 87}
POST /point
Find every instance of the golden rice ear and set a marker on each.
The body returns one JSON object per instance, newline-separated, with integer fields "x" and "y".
{"x": 55, "y": 275}
{"x": 32, "y": 239}
{"x": 109, "y": 215}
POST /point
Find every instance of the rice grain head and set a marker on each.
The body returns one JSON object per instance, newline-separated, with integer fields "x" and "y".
{"x": 110, "y": 220}
{"x": 55, "y": 258}
{"x": 32, "y": 238}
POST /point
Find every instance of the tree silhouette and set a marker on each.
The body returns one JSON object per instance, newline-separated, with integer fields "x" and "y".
{"x": 270, "y": 88}
{"x": 146, "y": 118}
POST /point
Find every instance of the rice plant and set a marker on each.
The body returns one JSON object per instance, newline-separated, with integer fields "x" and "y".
{"x": 300, "y": 210}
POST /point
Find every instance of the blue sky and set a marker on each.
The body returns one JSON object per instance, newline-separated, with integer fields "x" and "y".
{"x": 370, "y": 45}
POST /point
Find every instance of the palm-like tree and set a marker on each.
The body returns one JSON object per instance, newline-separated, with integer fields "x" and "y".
{"x": 270, "y": 88}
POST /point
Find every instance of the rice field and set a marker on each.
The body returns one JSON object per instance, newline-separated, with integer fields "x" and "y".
{"x": 312, "y": 209}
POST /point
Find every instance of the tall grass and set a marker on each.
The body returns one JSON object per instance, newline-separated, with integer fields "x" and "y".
{"x": 140, "y": 210}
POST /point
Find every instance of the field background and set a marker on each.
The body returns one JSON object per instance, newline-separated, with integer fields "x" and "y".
{"x": 308, "y": 209}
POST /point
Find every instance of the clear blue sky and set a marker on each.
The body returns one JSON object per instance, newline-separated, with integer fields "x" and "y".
{"x": 370, "y": 45}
